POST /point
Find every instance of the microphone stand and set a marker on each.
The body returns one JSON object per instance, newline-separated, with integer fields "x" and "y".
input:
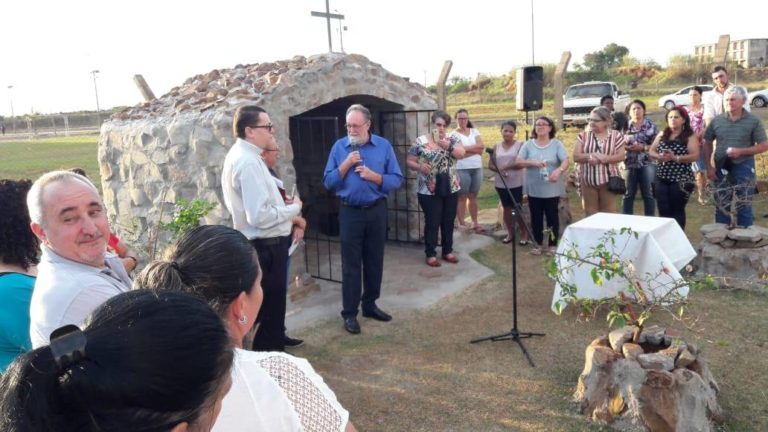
{"x": 514, "y": 334}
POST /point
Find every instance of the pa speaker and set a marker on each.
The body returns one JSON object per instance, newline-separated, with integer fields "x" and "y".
{"x": 530, "y": 88}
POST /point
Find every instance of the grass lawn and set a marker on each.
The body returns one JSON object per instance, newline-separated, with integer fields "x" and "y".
{"x": 30, "y": 159}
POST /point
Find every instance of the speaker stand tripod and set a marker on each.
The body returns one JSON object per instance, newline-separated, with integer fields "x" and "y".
{"x": 514, "y": 334}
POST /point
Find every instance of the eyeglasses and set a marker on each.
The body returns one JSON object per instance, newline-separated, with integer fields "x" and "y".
{"x": 268, "y": 126}
{"x": 462, "y": 118}
{"x": 440, "y": 125}
{"x": 542, "y": 125}
{"x": 354, "y": 126}
{"x": 595, "y": 120}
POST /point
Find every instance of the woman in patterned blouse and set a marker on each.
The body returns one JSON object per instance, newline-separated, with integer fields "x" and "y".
{"x": 433, "y": 157}
{"x": 675, "y": 148}
{"x": 640, "y": 170}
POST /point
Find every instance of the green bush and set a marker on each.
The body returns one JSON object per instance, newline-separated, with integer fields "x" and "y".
{"x": 187, "y": 215}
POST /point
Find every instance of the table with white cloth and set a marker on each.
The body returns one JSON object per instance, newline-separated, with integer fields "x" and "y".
{"x": 660, "y": 246}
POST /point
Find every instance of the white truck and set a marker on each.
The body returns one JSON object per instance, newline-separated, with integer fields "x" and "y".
{"x": 580, "y": 99}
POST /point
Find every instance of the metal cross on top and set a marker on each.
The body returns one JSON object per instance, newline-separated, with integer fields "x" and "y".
{"x": 328, "y": 15}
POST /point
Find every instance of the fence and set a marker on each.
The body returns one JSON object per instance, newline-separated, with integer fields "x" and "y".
{"x": 34, "y": 126}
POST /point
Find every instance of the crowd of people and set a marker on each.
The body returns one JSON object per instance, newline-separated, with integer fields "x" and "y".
{"x": 196, "y": 340}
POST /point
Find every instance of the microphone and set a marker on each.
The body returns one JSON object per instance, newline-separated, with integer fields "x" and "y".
{"x": 353, "y": 143}
{"x": 489, "y": 151}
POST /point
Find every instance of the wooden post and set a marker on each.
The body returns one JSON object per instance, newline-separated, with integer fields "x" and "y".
{"x": 144, "y": 89}
{"x": 565, "y": 58}
{"x": 441, "y": 100}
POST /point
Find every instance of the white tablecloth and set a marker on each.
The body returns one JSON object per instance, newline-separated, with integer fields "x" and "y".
{"x": 660, "y": 243}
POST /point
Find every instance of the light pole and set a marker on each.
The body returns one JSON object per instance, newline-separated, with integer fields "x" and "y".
{"x": 342, "y": 29}
{"x": 96, "y": 90}
{"x": 10, "y": 99}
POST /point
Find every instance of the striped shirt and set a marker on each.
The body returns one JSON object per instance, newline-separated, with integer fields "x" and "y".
{"x": 597, "y": 175}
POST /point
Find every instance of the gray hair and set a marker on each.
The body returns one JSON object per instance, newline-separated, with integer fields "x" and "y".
{"x": 736, "y": 89}
{"x": 361, "y": 109}
{"x": 35, "y": 194}
{"x": 602, "y": 112}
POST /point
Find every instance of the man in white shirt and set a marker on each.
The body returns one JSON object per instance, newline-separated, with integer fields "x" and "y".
{"x": 76, "y": 274}
{"x": 263, "y": 216}
{"x": 714, "y": 101}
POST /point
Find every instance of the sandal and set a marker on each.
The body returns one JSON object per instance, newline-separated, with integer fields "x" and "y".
{"x": 433, "y": 262}
{"x": 523, "y": 242}
{"x": 507, "y": 240}
{"x": 451, "y": 258}
{"x": 535, "y": 251}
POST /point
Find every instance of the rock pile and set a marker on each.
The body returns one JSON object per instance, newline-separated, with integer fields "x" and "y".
{"x": 656, "y": 384}
{"x": 738, "y": 256}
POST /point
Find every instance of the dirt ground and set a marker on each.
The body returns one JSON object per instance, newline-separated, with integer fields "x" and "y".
{"x": 420, "y": 373}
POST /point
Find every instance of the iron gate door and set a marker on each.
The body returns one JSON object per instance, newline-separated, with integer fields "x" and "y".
{"x": 312, "y": 139}
{"x": 404, "y": 217}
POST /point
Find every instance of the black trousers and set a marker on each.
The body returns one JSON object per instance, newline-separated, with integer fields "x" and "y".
{"x": 541, "y": 208}
{"x": 671, "y": 198}
{"x": 439, "y": 213}
{"x": 363, "y": 234}
{"x": 273, "y": 259}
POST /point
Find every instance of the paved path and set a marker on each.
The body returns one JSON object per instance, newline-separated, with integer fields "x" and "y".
{"x": 408, "y": 283}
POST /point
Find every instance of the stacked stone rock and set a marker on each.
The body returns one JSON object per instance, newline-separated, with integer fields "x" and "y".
{"x": 736, "y": 257}
{"x": 657, "y": 384}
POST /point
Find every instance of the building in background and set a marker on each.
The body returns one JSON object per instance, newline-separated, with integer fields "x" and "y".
{"x": 747, "y": 53}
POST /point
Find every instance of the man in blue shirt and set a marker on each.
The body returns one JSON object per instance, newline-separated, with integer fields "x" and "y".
{"x": 363, "y": 169}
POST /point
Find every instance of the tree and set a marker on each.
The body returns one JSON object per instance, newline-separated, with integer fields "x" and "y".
{"x": 608, "y": 57}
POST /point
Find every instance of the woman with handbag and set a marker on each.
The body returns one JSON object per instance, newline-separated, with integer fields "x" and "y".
{"x": 675, "y": 148}
{"x": 433, "y": 157}
{"x": 598, "y": 151}
{"x": 546, "y": 160}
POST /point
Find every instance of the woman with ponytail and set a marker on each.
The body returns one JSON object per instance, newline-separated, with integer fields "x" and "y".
{"x": 271, "y": 391}
{"x": 139, "y": 364}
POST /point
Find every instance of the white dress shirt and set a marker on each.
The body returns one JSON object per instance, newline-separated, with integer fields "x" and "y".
{"x": 714, "y": 103}
{"x": 251, "y": 195}
{"x": 66, "y": 292}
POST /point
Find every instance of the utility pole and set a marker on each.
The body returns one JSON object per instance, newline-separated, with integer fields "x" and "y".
{"x": 328, "y": 15}
{"x": 342, "y": 29}
{"x": 10, "y": 99}
{"x": 95, "y": 89}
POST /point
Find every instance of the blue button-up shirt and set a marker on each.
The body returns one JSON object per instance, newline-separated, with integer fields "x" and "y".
{"x": 378, "y": 156}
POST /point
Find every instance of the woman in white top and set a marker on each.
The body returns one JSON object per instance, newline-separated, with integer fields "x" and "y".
{"x": 271, "y": 391}
{"x": 470, "y": 168}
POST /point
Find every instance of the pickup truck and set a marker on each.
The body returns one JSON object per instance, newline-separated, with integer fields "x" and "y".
{"x": 580, "y": 99}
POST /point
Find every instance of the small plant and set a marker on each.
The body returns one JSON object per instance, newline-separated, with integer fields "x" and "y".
{"x": 187, "y": 215}
{"x": 641, "y": 294}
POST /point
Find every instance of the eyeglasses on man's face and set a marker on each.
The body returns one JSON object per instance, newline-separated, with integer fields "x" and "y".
{"x": 355, "y": 126}
{"x": 269, "y": 126}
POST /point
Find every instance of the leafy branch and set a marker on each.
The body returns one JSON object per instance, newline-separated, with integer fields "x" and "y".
{"x": 639, "y": 296}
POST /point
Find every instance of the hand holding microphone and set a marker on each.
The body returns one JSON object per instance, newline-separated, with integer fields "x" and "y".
{"x": 354, "y": 157}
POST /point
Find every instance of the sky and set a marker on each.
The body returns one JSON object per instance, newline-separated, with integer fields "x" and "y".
{"x": 51, "y": 47}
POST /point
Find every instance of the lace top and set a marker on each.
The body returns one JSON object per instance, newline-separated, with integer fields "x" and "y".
{"x": 274, "y": 391}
